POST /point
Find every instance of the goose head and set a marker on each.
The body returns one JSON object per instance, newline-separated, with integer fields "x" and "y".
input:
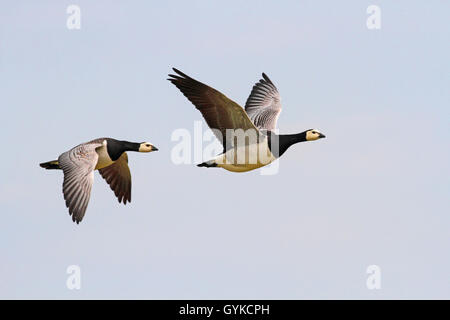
{"x": 147, "y": 147}
{"x": 313, "y": 134}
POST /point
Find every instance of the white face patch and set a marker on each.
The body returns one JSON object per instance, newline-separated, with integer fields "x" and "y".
{"x": 146, "y": 147}
{"x": 313, "y": 134}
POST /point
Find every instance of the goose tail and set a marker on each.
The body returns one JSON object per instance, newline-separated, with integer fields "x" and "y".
{"x": 208, "y": 164}
{"x": 50, "y": 165}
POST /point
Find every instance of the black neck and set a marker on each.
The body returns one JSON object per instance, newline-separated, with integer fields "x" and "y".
{"x": 116, "y": 148}
{"x": 283, "y": 141}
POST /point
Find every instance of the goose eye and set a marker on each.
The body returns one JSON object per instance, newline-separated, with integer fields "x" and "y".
{"x": 147, "y": 145}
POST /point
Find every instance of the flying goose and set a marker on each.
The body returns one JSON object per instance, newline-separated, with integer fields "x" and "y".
{"x": 225, "y": 117}
{"x": 78, "y": 164}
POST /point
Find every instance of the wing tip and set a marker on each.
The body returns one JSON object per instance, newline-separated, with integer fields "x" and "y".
{"x": 265, "y": 77}
{"x": 179, "y": 73}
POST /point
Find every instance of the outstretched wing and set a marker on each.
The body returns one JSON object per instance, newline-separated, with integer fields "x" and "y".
{"x": 118, "y": 177}
{"x": 263, "y": 106}
{"x": 219, "y": 112}
{"x": 78, "y": 165}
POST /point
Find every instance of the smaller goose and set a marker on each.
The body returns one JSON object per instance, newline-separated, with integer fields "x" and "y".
{"x": 78, "y": 164}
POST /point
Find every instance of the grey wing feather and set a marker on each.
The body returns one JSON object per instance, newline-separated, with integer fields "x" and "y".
{"x": 78, "y": 165}
{"x": 263, "y": 106}
{"x": 220, "y": 112}
{"x": 118, "y": 177}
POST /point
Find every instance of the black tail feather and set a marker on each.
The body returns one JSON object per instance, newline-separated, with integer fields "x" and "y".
{"x": 207, "y": 164}
{"x": 50, "y": 165}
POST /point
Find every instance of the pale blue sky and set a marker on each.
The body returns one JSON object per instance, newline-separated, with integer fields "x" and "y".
{"x": 375, "y": 191}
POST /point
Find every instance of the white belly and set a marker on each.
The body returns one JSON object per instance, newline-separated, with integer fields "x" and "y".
{"x": 103, "y": 158}
{"x": 245, "y": 158}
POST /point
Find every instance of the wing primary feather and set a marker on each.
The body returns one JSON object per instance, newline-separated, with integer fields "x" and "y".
{"x": 219, "y": 112}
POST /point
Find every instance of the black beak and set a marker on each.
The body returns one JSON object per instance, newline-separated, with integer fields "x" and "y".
{"x": 321, "y": 135}
{"x": 154, "y": 148}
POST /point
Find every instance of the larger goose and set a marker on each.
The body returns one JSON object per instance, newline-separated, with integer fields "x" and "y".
{"x": 78, "y": 164}
{"x": 258, "y": 145}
